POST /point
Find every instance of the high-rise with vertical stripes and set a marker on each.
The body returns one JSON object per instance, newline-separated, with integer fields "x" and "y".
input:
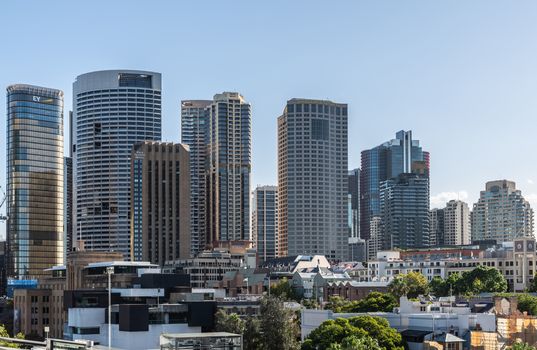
{"x": 194, "y": 133}
{"x": 112, "y": 110}
{"x": 35, "y": 180}
{"x": 228, "y": 168}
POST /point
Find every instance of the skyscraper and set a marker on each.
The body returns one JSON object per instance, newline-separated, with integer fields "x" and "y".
{"x": 405, "y": 211}
{"x": 354, "y": 192}
{"x": 381, "y": 163}
{"x": 312, "y": 179}
{"x": 265, "y": 222}
{"x": 457, "y": 223}
{"x": 113, "y": 110}
{"x": 35, "y": 179}
{"x": 68, "y": 206}
{"x": 501, "y": 213}
{"x": 160, "y": 202}
{"x": 228, "y": 168}
{"x": 437, "y": 226}
{"x": 194, "y": 127}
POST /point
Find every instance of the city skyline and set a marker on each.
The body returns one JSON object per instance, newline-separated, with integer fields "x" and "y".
{"x": 474, "y": 75}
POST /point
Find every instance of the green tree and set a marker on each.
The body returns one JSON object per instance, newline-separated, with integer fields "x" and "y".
{"x": 533, "y": 285}
{"x": 231, "y": 323}
{"x": 411, "y": 284}
{"x": 375, "y": 302}
{"x": 338, "y": 304}
{"x": 252, "y": 334}
{"x": 331, "y": 332}
{"x": 527, "y": 303}
{"x": 279, "y": 326}
{"x": 284, "y": 290}
{"x": 522, "y": 346}
{"x": 4, "y": 333}
{"x": 398, "y": 286}
{"x": 364, "y": 343}
{"x": 379, "y": 329}
{"x": 340, "y": 333}
{"x": 482, "y": 279}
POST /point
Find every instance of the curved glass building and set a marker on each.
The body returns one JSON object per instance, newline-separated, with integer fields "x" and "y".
{"x": 112, "y": 110}
{"x": 34, "y": 179}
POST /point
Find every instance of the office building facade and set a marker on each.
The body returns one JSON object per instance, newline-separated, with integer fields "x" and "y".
{"x": 228, "y": 168}
{"x": 265, "y": 222}
{"x": 312, "y": 179}
{"x": 194, "y": 133}
{"x": 160, "y": 202}
{"x": 501, "y": 213}
{"x": 405, "y": 211}
{"x": 381, "y": 163}
{"x": 354, "y": 192}
{"x": 113, "y": 110}
{"x": 35, "y": 180}
{"x": 68, "y": 206}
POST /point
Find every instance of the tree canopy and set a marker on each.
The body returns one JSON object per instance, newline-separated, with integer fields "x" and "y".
{"x": 411, "y": 284}
{"x": 373, "y": 302}
{"x": 521, "y": 346}
{"x": 527, "y": 303}
{"x": 284, "y": 290}
{"x": 365, "y": 330}
{"x": 276, "y": 328}
{"x": 479, "y": 280}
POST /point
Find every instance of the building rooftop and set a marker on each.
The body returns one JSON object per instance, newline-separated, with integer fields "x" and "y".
{"x": 122, "y": 263}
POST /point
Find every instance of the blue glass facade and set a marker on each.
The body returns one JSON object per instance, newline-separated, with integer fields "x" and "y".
{"x": 264, "y": 222}
{"x": 384, "y": 162}
{"x": 35, "y": 180}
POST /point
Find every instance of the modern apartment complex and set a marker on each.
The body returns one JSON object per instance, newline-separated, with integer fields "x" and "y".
{"x": 194, "y": 133}
{"x": 35, "y": 180}
{"x": 405, "y": 211}
{"x": 382, "y": 163}
{"x": 160, "y": 202}
{"x": 501, "y": 213}
{"x": 312, "y": 179}
{"x": 265, "y": 222}
{"x": 113, "y": 110}
{"x": 228, "y": 168}
{"x": 457, "y": 223}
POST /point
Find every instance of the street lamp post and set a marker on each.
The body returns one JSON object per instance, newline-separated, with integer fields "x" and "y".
{"x": 110, "y": 272}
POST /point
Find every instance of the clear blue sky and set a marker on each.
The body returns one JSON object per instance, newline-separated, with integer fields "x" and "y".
{"x": 461, "y": 74}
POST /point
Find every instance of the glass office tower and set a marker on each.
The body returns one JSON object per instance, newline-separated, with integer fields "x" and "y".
{"x": 34, "y": 179}
{"x": 382, "y": 163}
{"x": 112, "y": 110}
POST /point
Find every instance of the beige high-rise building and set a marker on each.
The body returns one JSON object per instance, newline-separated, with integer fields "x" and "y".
{"x": 501, "y": 213}
{"x": 160, "y": 202}
{"x": 312, "y": 179}
{"x": 457, "y": 224}
{"x": 228, "y": 169}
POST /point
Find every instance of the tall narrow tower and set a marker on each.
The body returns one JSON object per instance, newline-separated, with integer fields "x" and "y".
{"x": 34, "y": 179}
{"x": 194, "y": 133}
{"x": 228, "y": 168}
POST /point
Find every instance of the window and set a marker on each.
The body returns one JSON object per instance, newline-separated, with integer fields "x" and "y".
{"x": 319, "y": 129}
